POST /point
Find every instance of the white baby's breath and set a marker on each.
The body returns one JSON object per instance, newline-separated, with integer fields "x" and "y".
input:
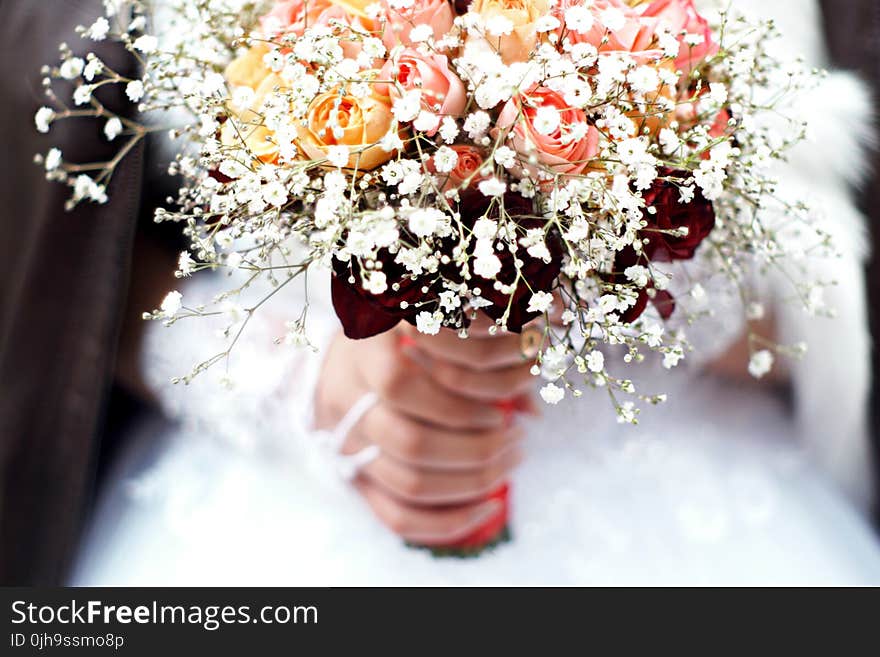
{"x": 134, "y": 90}
{"x": 540, "y": 302}
{"x": 760, "y": 363}
{"x": 113, "y": 128}
{"x": 171, "y": 304}
{"x": 43, "y": 119}
{"x": 552, "y": 393}
{"x": 429, "y": 323}
{"x": 99, "y": 29}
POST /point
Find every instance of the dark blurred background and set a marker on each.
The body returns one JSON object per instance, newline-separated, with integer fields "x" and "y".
{"x": 853, "y": 35}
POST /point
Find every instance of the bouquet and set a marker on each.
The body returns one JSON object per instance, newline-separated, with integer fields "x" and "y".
{"x": 588, "y": 163}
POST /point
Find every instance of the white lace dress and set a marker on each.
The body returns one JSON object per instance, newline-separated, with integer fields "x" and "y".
{"x": 724, "y": 484}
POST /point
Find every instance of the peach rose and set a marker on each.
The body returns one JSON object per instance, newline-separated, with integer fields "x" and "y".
{"x": 470, "y": 160}
{"x": 246, "y": 124}
{"x": 248, "y": 127}
{"x": 633, "y": 34}
{"x": 344, "y": 120}
{"x": 249, "y": 70}
{"x": 682, "y": 17}
{"x": 336, "y": 15}
{"x": 443, "y": 93}
{"x": 653, "y": 118}
{"x": 551, "y": 140}
{"x": 270, "y": 84}
{"x": 400, "y": 22}
{"x": 354, "y": 7}
{"x": 523, "y": 14}
{"x": 292, "y": 16}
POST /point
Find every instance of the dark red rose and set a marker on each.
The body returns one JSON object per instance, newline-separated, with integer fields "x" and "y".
{"x": 541, "y": 276}
{"x": 364, "y": 314}
{"x": 698, "y": 217}
{"x": 221, "y": 178}
{"x": 663, "y": 301}
{"x": 361, "y": 316}
{"x": 461, "y": 6}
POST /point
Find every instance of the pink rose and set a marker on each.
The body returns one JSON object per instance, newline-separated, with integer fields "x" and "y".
{"x": 335, "y": 15}
{"x": 443, "y": 93}
{"x": 682, "y": 18}
{"x": 292, "y": 16}
{"x": 400, "y": 22}
{"x": 470, "y": 161}
{"x": 564, "y": 146}
{"x": 628, "y": 32}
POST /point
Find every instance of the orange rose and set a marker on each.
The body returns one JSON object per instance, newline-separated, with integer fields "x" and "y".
{"x": 344, "y": 120}
{"x": 337, "y": 15}
{"x": 516, "y": 46}
{"x": 354, "y": 7}
{"x": 249, "y": 70}
{"x": 248, "y": 125}
{"x": 654, "y": 118}
{"x": 248, "y": 130}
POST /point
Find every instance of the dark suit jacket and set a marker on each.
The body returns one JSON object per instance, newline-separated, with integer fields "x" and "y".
{"x": 63, "y": 281}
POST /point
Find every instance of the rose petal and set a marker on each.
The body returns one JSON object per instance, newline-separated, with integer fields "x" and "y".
{"x": 360, "y": 319}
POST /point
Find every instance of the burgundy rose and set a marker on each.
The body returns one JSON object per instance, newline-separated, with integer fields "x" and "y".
{"x": 663, "y": 301}
{"x": 540, "y": 276}
{"x": 698, "y": 217}
{"x": 364, "y": 314}
{"x": 221, "y": 178}
{"x": 659, "y": 245}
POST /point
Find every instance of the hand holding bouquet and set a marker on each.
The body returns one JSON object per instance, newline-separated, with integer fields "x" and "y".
{"x": 602, "y": 158}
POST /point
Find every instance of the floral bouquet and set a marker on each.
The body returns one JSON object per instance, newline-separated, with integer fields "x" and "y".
{"x": 591, "y": 163}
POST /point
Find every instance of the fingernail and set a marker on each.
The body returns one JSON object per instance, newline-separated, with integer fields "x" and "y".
{"x": 526, "y": 404}
{"x": 485, "y": 511}
{"x": 518, "y": 457}
{"x": 405, "y": 341}
{"x": 508, "y": 409}
{"x": 408, "y": 347}
{"x": 497, "y": 417}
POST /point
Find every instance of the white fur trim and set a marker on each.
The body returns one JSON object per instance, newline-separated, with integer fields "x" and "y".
{"x": 832, "y": 382}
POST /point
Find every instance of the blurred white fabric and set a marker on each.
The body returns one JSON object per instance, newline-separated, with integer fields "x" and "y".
{"x": 712, "y": 489}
